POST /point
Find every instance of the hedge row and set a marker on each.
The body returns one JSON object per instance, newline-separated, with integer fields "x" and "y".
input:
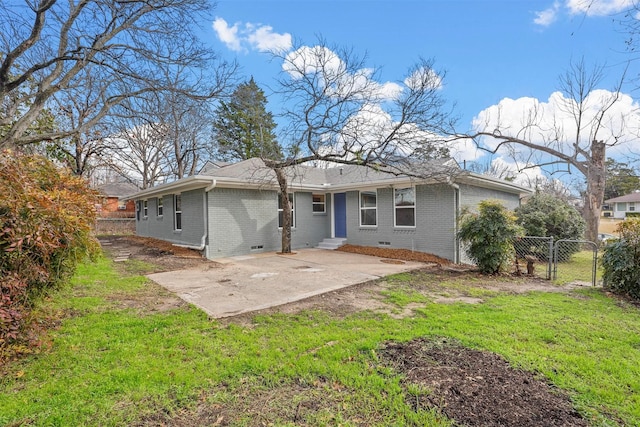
{"x": 46, "y": 217}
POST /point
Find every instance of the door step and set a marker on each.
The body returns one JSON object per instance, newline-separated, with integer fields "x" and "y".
{"x": 332, "y": 244}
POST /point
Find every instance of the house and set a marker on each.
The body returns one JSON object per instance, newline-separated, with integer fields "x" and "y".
{"x": 235, "y": 209}
{"x": 112, "y": 203}
{"x": 623, "y": 205}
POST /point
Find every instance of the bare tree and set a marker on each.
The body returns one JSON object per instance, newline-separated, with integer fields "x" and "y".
{"x": 548, "y": 139}
{"x": 340, "y": 113}
{"x": 49, "y": 47}
{"x": 139, "y": 149}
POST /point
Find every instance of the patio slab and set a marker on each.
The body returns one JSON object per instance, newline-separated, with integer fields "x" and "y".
{"x": 249, "y": 283}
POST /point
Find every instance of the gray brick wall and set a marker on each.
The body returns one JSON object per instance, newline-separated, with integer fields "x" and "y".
{"x": 162, "y": 227}
{"x": 241, "y": 219}
{"x": 471, "y": 196}
{"x": 435, "y": 222}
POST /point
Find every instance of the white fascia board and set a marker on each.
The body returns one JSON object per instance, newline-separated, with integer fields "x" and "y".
{"x": 491, "y": 183}
{"x": 186, "y": 184}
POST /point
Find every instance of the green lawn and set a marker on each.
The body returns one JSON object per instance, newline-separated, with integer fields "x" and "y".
{"x": 113, "y": 363}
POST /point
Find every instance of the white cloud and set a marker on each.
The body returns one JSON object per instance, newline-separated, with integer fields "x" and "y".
{"x": 243, "y": 37}
{"x": 228, "y": 35}
{"x": 424, "y": 78}
{"x": 552, "y": 124}
{"x": 598, "y": 7}
{"x": 548, "y": 16}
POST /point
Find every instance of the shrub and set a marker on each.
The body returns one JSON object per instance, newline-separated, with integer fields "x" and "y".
{"x": 489, "y": 235}
{"x": 621, "y": 260}
{"x": 633, "y": 214}
{"x": 545, "y": 215}
{"x": 46, "y": 218}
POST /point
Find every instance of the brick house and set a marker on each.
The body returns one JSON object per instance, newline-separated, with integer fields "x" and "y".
{"x": 234, "y": 209}
{"x": 112, "y": 203}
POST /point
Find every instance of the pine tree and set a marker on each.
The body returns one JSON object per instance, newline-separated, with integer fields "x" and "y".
{"x": 243, "y": 128}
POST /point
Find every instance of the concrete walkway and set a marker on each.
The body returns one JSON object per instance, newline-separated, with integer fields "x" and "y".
{"x": 249, "y": 283}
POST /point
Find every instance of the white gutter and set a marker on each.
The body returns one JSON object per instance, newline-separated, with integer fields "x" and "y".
{"x": 205, "y": 208}
{"x": 456, "y": 212}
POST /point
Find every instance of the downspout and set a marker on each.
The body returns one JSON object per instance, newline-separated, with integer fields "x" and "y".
{"x": 205, "y": 215}
{"x": 456, "y": 213}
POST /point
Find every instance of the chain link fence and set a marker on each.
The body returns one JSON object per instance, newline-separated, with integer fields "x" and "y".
{"x": 579, "y": 258}
{"x": 534, "y": 256}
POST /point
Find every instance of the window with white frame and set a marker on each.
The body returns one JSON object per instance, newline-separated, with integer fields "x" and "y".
{"x": 177, "y": 212}
{"x": 368, "y": 209}
{"x": 632, "y": 206}
{"x": 319, "y": 203}
{"x": 280, "y": 210}
{"x": 145, "y": 208}
{"x": 159, "y": 207}
{"x": 404, "y": 201}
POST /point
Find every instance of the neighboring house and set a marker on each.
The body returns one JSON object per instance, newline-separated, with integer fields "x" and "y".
{"x": 622, "y": 205}
{"x": 235, "y": 209}
{"x": 112, "y": 202}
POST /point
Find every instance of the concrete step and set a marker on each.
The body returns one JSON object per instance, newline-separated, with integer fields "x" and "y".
{"x": 332, "y": 244}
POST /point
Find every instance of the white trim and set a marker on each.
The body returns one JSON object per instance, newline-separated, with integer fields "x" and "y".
{"x": 159, "y": 205}
{"x": 333, "y": 216}
{"x": 324, "y": 203}
{"x": 175, "y": 212}
{"x": 395, "y": 208}
{"x": 361, "y": 208}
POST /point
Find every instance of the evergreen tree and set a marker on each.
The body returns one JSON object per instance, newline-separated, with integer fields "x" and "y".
{"x": 243, "y": 128}
{"x": 621, "y": 179}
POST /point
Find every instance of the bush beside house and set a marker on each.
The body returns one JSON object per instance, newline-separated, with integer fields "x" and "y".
{"x": 46, "y": 218}
{"x": 489, "y": 235}
{"x": 621, "y": 260}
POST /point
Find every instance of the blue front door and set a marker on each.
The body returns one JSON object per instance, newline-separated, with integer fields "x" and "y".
{"x": 340, "y": 214}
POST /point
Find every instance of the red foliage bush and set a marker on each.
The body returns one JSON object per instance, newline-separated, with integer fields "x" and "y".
{"x": 46, "y": 218}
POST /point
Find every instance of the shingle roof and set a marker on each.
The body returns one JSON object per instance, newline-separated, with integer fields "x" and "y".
{"x": 633, "y": 197}
{"x": 117, "y": 189}
{"x": 254, "y": 170}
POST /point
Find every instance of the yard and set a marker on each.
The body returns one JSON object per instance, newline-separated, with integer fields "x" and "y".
{"x": 416, "y": 349}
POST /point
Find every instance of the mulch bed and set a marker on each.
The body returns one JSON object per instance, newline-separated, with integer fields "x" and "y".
{"x": 402, "y": 254}
{"x": 478, "y": 388}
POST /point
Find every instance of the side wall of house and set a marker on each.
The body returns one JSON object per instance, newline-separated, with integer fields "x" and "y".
{"x": 163, "y": 227}
{"x": 470, "y": 198}
{"x": 246, "y": 221}
{"x": 435, "y": 222}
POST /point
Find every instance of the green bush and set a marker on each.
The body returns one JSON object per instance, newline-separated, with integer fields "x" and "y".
{"x": 489, "y": 235}
{"x": 633, "y": 214}
{"x": 46, "y": 218}
{"x": 545, "y": 215}
{"x": 621, "y": 260}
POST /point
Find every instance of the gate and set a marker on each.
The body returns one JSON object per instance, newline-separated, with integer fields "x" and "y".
{"x": 566, "y": 249}
{"x": 535, "y": 254}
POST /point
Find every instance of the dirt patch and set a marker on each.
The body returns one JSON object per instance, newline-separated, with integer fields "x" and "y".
{"x": 151, "y": 255}
{"x": 399, "y": 254}
{"x": 477, "y": 388}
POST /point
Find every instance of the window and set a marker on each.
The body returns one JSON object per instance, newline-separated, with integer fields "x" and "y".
{"x": 160, "y": 207}
{"x": 632, "y": 206}
{"x": 280, "y": 216}
{"x": 404, "y": 201}
{"x": 319, "y": 205}
{"x": 145, "y": 208}
{"x": 368, "y": 208}
{"x": 177, "y": 212}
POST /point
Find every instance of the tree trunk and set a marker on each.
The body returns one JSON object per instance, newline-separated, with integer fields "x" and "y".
{"x": 286, "y": 210}
{"x": 595, "y": 190}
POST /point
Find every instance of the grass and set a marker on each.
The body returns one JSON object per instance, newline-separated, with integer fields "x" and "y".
{"x": 579, "y": 268}
{"x": 109, "y": 364}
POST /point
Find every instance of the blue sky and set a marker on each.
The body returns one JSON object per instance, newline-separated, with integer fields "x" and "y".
{"x": 490, "y": 50}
